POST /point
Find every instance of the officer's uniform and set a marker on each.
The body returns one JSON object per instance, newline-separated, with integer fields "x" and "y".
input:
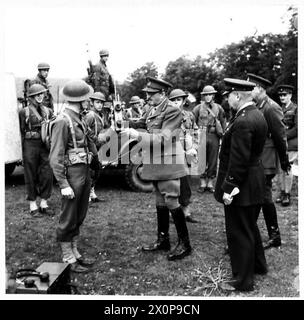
{"x": 274, "y": 153}
{"x": 204, "y": 118}
{"x": 290, "y": 112}
{"x": 164, "y": 165}
{"x": 71, "y": 167}
{"x": 240, "y": 166}
{"x": 37, "y": 172}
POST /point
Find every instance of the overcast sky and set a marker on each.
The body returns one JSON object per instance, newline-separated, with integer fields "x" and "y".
{"x": 135, "y": 32}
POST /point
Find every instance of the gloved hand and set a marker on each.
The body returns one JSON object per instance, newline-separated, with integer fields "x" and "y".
{"x": 67, "y": 193}
{"x": 95, "y": 164}
{"x": 133, "y": 134}
{"x": 227, "y": 198}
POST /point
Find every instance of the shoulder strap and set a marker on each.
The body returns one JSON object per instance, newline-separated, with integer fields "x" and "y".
{"x": 72, "y": 129}
{"x": 27, "y": 117}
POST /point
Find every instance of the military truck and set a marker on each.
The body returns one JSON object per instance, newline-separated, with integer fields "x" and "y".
{"x": 111, "y": 161}
{"x": 12, "y": 137}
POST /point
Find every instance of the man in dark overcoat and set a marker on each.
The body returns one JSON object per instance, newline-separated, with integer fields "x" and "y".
{"x": 240, "y": 185}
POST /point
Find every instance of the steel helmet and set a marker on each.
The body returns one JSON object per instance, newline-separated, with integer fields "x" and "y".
{"x": 43, "y": 65}
{"x": 98, "y": 96}
{"x": 77, "y": 91}
{"x": 103, "y": 52}
{"x": 36, "y": 89}
{"x": 134, "y": 99}
{"x": 177, "y": 93}
{"x": 208, "y": 90}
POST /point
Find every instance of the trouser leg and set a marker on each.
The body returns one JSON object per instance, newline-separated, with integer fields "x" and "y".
{"x": 73, "y": 211}
{"x": 31, "y": 164}
{"x": 45, "y": 175}
{"x": 241, "y": 232}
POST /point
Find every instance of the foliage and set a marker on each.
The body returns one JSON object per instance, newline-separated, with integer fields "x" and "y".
{"x": 136, "y": 81}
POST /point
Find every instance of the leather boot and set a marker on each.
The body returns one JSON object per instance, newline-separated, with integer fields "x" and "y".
{"x": 80, "y": 259}
{"x": 271, "y": 220}
{"x": 274, "y": 239}
{"x": 183, "y": 248}
{"x": 163, "y": 241}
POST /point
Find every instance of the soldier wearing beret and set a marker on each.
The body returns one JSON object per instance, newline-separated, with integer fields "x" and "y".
{"x": 72, "y": 152}
{"x": 240, "y": 185}
{"x": 37, "y": 171}
{"x": 41, "y": 78}
{"x": 274, "y": 153}
{"x": 206, "y": 114}
{"x": 290, "y": 111}
{"x": 164, "y": 165}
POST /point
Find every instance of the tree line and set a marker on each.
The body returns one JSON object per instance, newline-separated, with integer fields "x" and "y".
{"x": 273, "y": 56}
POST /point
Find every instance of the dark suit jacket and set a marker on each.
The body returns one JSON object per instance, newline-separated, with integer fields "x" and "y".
{"x": 240, "y": 158}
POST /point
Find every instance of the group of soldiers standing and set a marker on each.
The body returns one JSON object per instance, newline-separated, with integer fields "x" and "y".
{"x": 259, "y": 140}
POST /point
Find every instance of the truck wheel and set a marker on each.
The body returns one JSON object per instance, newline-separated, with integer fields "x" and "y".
{"x": 9, "y": 169}
{"x": 134, "y": 180}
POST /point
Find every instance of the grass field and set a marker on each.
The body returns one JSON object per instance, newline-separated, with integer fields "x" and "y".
{"x": 114, "y": 231}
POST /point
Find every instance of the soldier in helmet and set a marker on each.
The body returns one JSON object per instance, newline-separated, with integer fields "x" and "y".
{"x": 72, "y": 153}
{"x": 96, "y": 122}
{"x": 135, "y": 111}
{"x": 163, "y": 166}
{"x": 189, "y": 139}
{"x": 206, "y": 114}
{"x": 37, "y": 172}
{"x": 101, "y": 79}
{"x": 43, "y": 72}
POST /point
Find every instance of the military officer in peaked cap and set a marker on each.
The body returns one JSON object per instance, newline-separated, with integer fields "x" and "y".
{"x": 240, "y": 185}
{"x": 72, "y": 153}
{"x": 274, "y": 152}
{"x": 41, "y": 78}
{"x": 164, "y": 166}
{"x": 290, "y": 111}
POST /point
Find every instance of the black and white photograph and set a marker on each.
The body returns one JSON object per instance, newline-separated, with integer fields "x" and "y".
{"x": 150, "y": 150}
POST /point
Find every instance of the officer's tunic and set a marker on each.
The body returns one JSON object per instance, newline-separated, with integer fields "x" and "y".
{"x": 240, "y": 166}
{"x": 77, "y": 176}
{"x": 203, "y": 118}
{"x": 163, "y": 154}
{"x": 48, "y": 98}
{"x": 275, "y": 148}
{"x": 38, "y": 175}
